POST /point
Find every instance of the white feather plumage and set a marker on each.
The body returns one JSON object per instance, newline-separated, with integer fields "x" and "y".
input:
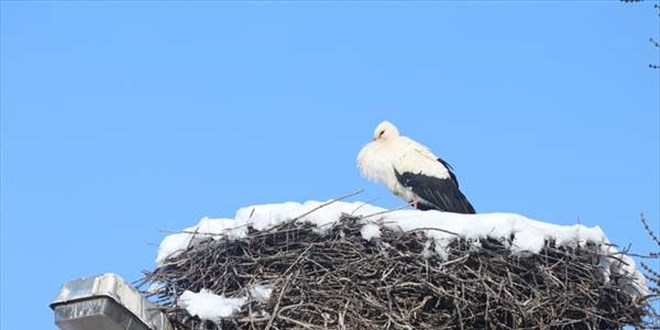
{"x": 389, "y": 151}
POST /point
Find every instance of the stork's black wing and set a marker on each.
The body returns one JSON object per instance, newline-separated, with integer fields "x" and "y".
{"x": 450, "y": 169}
{"x": 442, "y": 194}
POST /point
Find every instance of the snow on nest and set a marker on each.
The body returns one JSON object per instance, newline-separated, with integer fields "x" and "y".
{"x": 209, "y": 306}
{"x": 529, "y": 235}
{"x": 260, "y": 217}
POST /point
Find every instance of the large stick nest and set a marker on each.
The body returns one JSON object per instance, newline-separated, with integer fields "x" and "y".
{"x": 338, "y": 280}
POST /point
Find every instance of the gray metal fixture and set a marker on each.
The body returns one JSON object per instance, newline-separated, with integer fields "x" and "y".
{"x": 105, "y": 302}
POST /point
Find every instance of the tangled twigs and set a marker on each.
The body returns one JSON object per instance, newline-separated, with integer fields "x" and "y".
{"x": 337, "y": 280}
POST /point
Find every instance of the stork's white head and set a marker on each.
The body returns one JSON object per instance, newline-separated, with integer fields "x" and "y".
{"x": 385, "y": 131}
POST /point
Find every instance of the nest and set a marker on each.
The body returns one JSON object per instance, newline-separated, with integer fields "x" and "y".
{"x": 338, "y": 280}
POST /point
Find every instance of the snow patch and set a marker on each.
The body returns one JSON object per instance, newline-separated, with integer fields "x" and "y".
{"x": 261, "y": 292}
{"x": 209, "y": 306}
{"x": 261, "y": 217}
{"x": 207, "y": 227}
{"x": 370, "y": 230}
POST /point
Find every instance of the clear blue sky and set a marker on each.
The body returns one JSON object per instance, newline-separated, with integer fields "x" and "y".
{"x": 120, "y": 119}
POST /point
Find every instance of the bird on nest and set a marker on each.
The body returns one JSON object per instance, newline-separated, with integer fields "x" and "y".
{"x": 411, "y": 171}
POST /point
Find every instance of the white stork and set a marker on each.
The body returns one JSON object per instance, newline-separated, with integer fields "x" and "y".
{"x": 411, "y": 171}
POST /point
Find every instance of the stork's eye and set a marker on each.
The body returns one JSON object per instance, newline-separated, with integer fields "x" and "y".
{"x": 381, "y": 133}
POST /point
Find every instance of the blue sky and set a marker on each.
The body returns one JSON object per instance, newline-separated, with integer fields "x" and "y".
{"x": 120, "y": 119}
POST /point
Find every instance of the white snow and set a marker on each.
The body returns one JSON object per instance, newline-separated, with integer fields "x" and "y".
{"x": 260, "y": 217}
{"x": 370, "y": 230}
{"x": 209, "y": 306}
{"x": 441, "y": 227}
{"x": 530, "y": 235}
{"x": 207, "y": 227}
{"x": 261, "y": 292}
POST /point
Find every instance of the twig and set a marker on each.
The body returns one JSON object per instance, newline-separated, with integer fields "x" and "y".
{"x": 277, "y": 304}
{"x": 327, "y": 203}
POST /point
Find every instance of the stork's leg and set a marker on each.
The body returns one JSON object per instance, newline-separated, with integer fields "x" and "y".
{"x": 415, "y": 202}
